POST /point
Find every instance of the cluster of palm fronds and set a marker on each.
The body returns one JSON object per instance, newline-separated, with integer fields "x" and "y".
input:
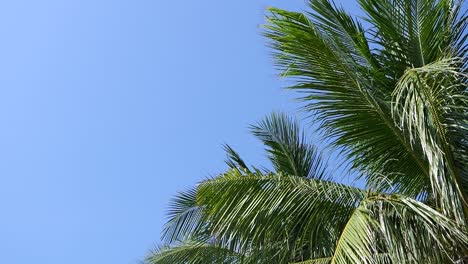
{"x": 392, "y": 96}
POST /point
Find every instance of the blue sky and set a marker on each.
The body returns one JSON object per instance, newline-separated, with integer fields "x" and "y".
{"x": 108, "y": 108}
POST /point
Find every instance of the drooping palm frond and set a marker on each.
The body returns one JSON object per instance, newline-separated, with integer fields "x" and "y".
{"x": 394, "y": 229}
{"x": 428, "y": 104}
{"x": 413, "y": 232}
{"x": 288, "y": 148}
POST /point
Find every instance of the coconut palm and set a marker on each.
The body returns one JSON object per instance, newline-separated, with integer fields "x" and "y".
{"x": 389, "y": 91}
{"x": 297, "y": 214}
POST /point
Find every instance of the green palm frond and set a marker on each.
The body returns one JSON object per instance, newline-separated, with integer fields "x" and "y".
{"x": 288, "y": 148}
{"x": 253, "y": 211}
{"x": 315, "y": 219}
{"x": 184, "y": 217}
{"x": 193, "y": 253}
{"x": 356, "y": 243}
{"x": 348, "y": 91}
{"x": 234, "y": 160}
{"x": 413, "y": 33}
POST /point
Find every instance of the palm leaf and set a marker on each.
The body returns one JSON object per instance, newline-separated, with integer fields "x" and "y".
{"x": 234, "y": 160}
{"x": 184, "y": 217}
{"x": 380, "y": 258}
{"x": 193, "y": 253}
{"x": 427, "y": 101}
{"x": 415, "y": 232}
{"x": 348, "y": 91}
{"x": 288, "y": 149}
{"x": 252, "y": 211}
{"x": 356, "y": 243}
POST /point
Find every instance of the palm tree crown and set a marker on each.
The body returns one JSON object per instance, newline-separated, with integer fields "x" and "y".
{"x": 392, "y": 97}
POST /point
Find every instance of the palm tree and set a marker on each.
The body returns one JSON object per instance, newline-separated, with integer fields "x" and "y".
{"x": 248, "y": 215}
{"x": 391, "y": 96}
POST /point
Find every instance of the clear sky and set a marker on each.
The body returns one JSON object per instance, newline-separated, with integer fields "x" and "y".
{"x": 109, "y": 107}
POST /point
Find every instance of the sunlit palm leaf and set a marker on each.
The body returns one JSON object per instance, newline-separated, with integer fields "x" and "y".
{"x": 255, "y": 211}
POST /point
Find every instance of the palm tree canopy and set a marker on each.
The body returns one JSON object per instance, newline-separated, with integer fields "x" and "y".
{"x": 392, "y": 97}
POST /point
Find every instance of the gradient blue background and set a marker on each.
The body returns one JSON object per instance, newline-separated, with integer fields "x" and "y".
{"x": 108, "y": 108}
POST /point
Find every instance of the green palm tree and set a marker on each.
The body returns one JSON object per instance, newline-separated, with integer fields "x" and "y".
{"x": 247, "y": 215}
{"x": 391, "y": 96}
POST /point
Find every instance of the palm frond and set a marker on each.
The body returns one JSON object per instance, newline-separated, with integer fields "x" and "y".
{"x": 396, "y": 229}
{"x": 348, "y": 90}
{"x": 193, "y": 253}
{"x": 252, "y": 211}
{"x": 184, "y": 217}
{"x": 356, "y": 243}
{"x": 414, "y": 232}
{"x": 288, "y": 148}
{"x": 427, "y": 102}
{"x": 413, "y": 33}
{"x": 379, "y": 258}
{"x": 234, "y": 160}
{"x": 315, "y": 261}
